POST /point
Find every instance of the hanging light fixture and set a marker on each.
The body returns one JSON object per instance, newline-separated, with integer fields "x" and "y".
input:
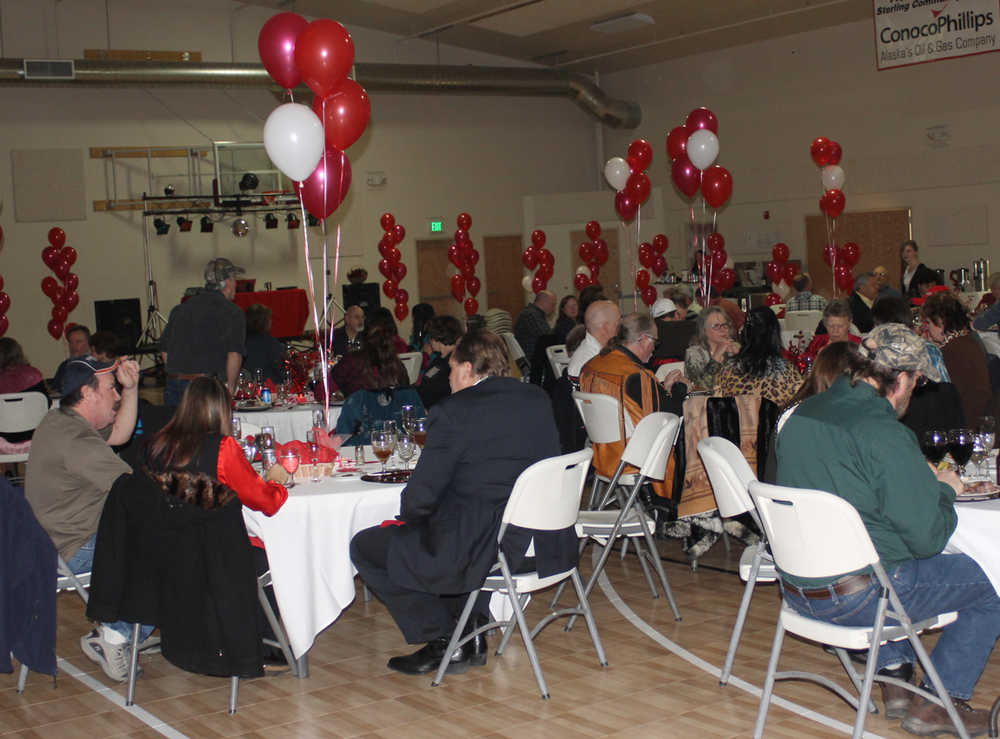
{"x": 270, "y": 221}
{"x": 293, "y": 221}
{"x": 184, "y": 224}
{"x": 161, "y": 226}
{"x": 206, "y": 225}
{"x": 240, "y": 228}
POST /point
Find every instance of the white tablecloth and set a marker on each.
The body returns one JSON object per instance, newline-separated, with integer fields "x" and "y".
{"x": 991, "y": 341}
{"x": 308, "y": 542}
{"x": 976, "y": 535}
{"x": 289, "y": 423}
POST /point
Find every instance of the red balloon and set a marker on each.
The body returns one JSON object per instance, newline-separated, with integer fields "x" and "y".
{"x": 468, "y": 270}
{"x": 458, "y": 287}
{"x": 50, "y": 255}
{"x": 641, "y": 152}
{"x": 4, "y": 325}
{"x": 57, "y": 237}
{"x": 464, "y": 220}
{"x": 595, "y": 270}
{"x": 402, "y": 296}
{"x": 701, "y": 118}
{"x": 385, "y": 267}
{"x": 641, "y": 279}
{"x": 593, "y": 229}
{"x": 780, "y": 252}
{"x": 851, "y": 252}
{"x": 686, "y": 176}
{"x": 58, "y": 295}
{"x": 462, "y": 236}
{"x": 538, "y": 238}
{"x": 72, "y": 282}
{"x": 324, "y": 190}
{"x": 70, "y": 300}
{"x": 4, "y": 302}
{"x": 399, "y": 271}
{"x": 402, "y": 311}
{"x": 388, "y": 220}
{"x": 719, "y": 258}
{"x": 324, "y": 54}
{"x": 716, "y": 185}
{"x": 472, "y": 256}
{"x": 638, "y": 186}
{"x": 835, "y": 153}
{"x": 715, "y": 241}
{"x": 648, "y": 295}
{"x": 398, "y": 232}
{"x": 389, "y": 287}
{"x": 61, "y": 269}
{"x": 830, "y": 254}
{"x": 646, "y": 255}
{"x": 843, "y": 276}
{"x": 471, "y": 306}
{"x": 586, "y": 251}
{"x": 660, "y": 265}
{"x": 772, "y": 299}
{"x": 55, "y": 328}
{"x": 455, "y": 256}
{"x": 727, "y": 278}
{"x": 545, "y": 257}
{"x": 580, "y": 282}
{"x": 538, "y": 283}
{"x": 58, "y": 312}
{"x": 68, "y": 253}
{"x": 835, "y": 202}
{"x": 529, "y": 258}
{"x": 344, "y": 113}
{"x": 789, "y": 272}
{"x": 626, "y": 207}
{"x": 660, "y": 243}
{"x": 820, "y": 151}
{"x": 601, "y": 251}
{"x": 276, "y": 46}
{"x": 677, "y": 142}
{"x": 545, "y": 271}
{"x": 774, "y": 271}
{"x": 394, "y": 255}
{"x": 49, "y": 286}
{"x": 474, "y": 284}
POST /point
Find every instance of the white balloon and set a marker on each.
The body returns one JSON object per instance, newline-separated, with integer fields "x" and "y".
{"x": 526, "y": 282}
{"x": 702, "y": 148}
{"x": 781, "y": 288}
{"x": 293, "y": 138}
{"x": 617, "y": 172}
{"x": 583, "y": 269}
{"x": 833, "y": 177}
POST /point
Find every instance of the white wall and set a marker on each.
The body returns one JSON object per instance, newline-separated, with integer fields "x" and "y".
{"x": 441, "y": 154}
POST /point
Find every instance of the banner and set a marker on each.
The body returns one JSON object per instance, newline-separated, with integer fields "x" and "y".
{"x": 916, "y": 31}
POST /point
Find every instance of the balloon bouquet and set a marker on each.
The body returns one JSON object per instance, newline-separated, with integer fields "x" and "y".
{"x": 464, "y": 256}
{"x": 537, "y": 256}
{"x": 307, "y": 144}
{"x": 693, "y": 149}
{"x": 651, "y": 258}
{"x": 60, "y": 259}
{"x": 777, "y": 270}
{"x": 842, "y": 260}
{"x": 594, "y": 255}
{"x": 628, "y": 177}
{"x": 391, "y": 265}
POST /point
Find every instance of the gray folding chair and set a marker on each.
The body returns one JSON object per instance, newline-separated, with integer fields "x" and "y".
{"x": 20, "y": 412}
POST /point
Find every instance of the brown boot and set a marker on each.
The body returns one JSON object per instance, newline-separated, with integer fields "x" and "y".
{"x": 896, "y": 699}
{"x": 929, "y": 719}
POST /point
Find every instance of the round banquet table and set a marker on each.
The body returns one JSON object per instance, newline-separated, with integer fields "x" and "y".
{"x": 976, "y": 536}
{"x": 308, "y": 542}
{"x": 289, "y": 422}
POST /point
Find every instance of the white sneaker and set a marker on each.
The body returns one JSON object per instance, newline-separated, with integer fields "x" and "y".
{"x": 113, "y": 658}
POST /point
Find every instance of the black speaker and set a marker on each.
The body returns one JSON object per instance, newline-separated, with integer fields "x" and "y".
{"x": 121, "y": 317}
{"x": 365, "y": 294}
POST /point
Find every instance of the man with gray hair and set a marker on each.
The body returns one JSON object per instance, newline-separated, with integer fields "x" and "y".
{"x": 206, "y": 334}
{"x": 804, "y": 298}
{"x": 602, "y": 320}
{"x": 533, "y": 323}
{"x": 862, "y": 300}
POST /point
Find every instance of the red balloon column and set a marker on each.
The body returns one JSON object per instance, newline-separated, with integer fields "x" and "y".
{"x": 464, "y": 256}
{"x": 693, "y": 148}
{"x": 391, "y": 265}
{"x": 537, "y": 257}
{"x": 628, "y": 176}
{"x": 826, "y": 154}
{"x": 594, "y": 255}
{"x": 60, "y": 259}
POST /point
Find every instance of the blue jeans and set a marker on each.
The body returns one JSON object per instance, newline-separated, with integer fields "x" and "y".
{"x": 82, "y": 561}
{"x": 927, "y": 587}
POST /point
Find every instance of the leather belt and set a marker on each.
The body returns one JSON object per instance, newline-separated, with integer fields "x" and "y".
{"x": 844, "y": 586}
{"x": 186, "y": 375}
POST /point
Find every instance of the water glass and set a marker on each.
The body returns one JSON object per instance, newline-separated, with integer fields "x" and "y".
{"x": 319, "y": 420}
{"x": 406, "y": 448}
{"x": 237, "y": 427}
{"x": 986, "y": 426}
{"x": 406, "y": 414}
{"x": 359, "y": 455}
{"x": 267, "y": 432}
{"x": 314, "y": 459}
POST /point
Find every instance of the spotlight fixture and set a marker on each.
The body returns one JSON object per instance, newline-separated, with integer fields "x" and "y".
{"x": 206, "y": 225}
{"x": 240, "y": 228}
{"x": 249, "y": 181}
{"x": 168, "y": 190}
{"x": 161, "y": 226}
{"x": 183, "y": 224}
{"x": 293, "y": 221}
{"x": 313, "y": 220}
{"x": 270, "y": 221}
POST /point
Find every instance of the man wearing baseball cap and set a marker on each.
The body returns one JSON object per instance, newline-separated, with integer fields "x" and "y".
{"x": 71, "y": 469}
{"x": 206, "y": 334}
{"x": 849, "y": 442}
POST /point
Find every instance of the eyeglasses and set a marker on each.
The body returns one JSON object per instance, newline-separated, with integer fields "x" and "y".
{"x": 655, "y": 340}
{"x": 717, "y": 326}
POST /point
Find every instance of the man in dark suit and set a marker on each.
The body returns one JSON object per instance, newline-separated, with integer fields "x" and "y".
{"x": 479, "y": 440}
{"x": 861, "y": 301}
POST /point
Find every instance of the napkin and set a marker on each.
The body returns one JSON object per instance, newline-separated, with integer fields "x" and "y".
{"x": 325, "y": 454}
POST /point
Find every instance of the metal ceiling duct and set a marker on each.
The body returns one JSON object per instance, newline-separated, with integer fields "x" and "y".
{"x": 404, "y": 78}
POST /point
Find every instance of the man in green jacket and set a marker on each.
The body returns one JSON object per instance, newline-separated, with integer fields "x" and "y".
{"x": 848, "y": 441}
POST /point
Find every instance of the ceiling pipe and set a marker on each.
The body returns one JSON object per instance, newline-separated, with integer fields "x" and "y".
{"x": 402, "y": 78}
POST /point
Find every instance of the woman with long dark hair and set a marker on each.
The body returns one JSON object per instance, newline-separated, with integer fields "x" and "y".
{"x": 376, "y": 365}
{"x": 759, "y": 368}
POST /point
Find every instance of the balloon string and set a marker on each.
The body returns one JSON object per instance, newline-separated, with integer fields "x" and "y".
{"x": 312, "y": 302}
{"x": 634, "y": 252}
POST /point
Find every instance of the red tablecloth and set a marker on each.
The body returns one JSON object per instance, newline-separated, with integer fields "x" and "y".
{"x": 291, "y": 309}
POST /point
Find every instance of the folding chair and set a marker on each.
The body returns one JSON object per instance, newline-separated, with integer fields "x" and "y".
{"x": 815, "y": 534}
{"x": 20, "y": 412}
{"x": 604, "y": 423}
{"x": 546, "y": 497}
{"x": 730, "y": 474}
{"x": 412, "y": 362}
{"x": 558, "y": 358}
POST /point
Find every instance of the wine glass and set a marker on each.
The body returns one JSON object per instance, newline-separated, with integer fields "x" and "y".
{"x": 319, "y": 420}
{"x": 419, "y": 430}
{"x": 986, "y": 426}
{"x": 237, "y": 428}
{"x": 406, "y": 415}
{"x": 934, "y": 445}
{"x": 290, "y": 461}
{"x": 960, "y": 443}
{"x": 249, "y": 450}
{"x": 258, "y": 377}
{"x": 406, "y": 448}
{"x": 267, "y": 432}
{"x": 383, "y": 442}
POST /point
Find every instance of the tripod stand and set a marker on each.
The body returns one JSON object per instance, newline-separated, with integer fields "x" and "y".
{"x": 149, "y": 342}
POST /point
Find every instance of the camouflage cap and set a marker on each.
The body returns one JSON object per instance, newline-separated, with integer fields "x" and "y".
{"x": 219, "y": 270}
{"x": 897, "y": 347}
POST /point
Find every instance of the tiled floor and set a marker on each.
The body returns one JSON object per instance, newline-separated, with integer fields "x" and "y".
{"x": 646, "y": 690}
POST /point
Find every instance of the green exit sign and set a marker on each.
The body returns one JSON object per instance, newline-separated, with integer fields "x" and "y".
{"x": 437, "y": 227}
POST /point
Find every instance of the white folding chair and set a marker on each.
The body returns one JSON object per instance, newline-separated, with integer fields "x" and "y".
{"x": 730, "y": 475}
{"x": 805, "y": 321}
{"x": 558, "y": 358}
{"x": 20, "y": 412}
{"x": 516, "y": 354}
{"x": 815, "y": 534}
{"x": 412, "y": 362}
{"x": 546, "y": 497}
{"x": 605, "y": 424}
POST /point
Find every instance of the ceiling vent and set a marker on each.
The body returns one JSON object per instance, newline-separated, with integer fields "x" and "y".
{"x": 623, "y": 23}
{"x": 48, "y": 69}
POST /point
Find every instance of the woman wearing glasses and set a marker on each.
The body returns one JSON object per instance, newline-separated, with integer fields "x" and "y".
{"x": 712, "y": 345}
{"x": 759, "y": 368}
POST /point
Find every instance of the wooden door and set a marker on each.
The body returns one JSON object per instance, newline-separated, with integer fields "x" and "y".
{"x": 434, "y": 272}
{"x": 610, "y": 274}
{"x": 877, "y": 233}
{"x": 503, "y": 275}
